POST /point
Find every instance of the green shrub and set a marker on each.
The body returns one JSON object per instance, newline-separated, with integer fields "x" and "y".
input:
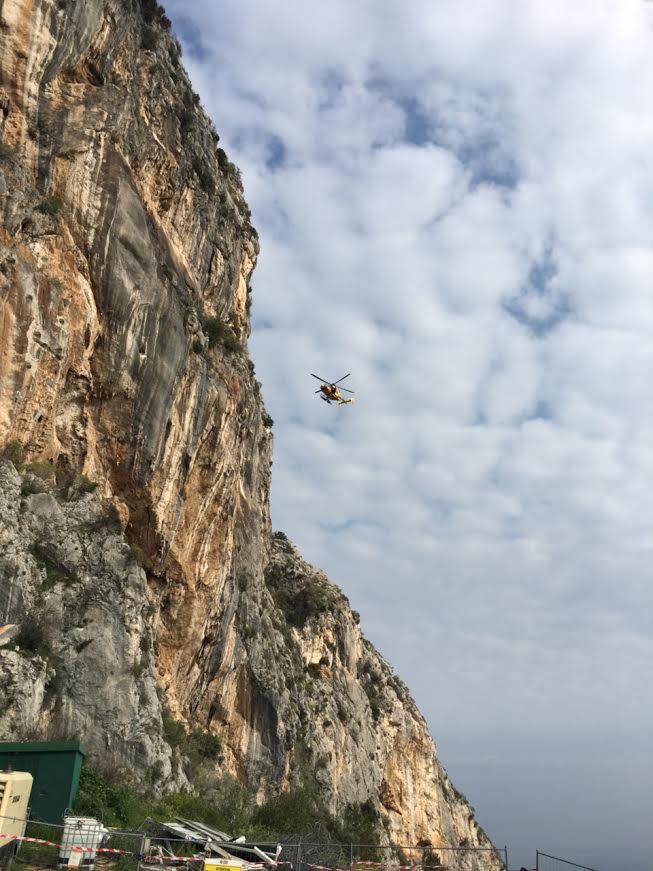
{"x": 204, "y": 175}
{"x": 373, "y": 697}
{"x": 173, "y": 730}
{"x": 138, "y": 554}
{"x": 267, "y": 420}
{"x": 149, "y": 38}
{"x": 7, "y": 153}
{"x": 220, "y": 333}
{"x": 360, "y": 824}
{"x": 293, "y": 812}
{"x": 201, "y": 747}
{"x": 50, "y": 205}
{"x": 214, "y": 329}
{"x": 84, "y": 484}
{"x": 14, "y": 451}
{"x": 185, "y": 119}
{"x": 30, "y": 486}
{"x": 196, "y": 745}
{"x": 31, "y": 637}
{"x": 55, "y": 571}
{"x": 114, "y": 805}
{"x": 223, "y": 803}
{"x": 299, "y": 604}
{"x": 111, "y": 518}
{"x": 152, "y": 13}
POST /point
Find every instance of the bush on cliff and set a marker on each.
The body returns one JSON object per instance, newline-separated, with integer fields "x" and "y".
{"x": 220, "y": 333}
{"x": 222, "y": 802}
{"x": 50, "y": 205}
{"x": 152, "y": 12}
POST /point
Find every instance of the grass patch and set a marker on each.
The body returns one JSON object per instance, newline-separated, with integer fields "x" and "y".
{"x": 42, "y": 469}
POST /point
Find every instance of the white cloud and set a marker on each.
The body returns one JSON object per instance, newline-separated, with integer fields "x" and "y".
{"x": 455, "y": 203}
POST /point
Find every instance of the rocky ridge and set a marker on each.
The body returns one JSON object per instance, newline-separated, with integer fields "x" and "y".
{"x": 135, "y": 537}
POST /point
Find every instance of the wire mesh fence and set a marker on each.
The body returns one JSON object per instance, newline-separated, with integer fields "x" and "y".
{"x": 37, "y": 845}
{"x": 361, "y": 857}
{"x": 546, "y": 862}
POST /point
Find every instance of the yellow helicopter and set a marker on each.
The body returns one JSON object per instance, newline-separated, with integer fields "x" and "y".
{"x": 331, "y": 393}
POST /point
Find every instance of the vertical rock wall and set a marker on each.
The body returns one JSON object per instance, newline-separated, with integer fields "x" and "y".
{"x": 134, "y": 519}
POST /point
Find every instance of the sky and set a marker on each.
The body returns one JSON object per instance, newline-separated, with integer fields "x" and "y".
{"x": 455, "y": 204}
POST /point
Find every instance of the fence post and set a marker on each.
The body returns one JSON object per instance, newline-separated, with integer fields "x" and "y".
{"x": 299, "y": 856}
{"x": 537, "y": 860}
{"x": 505, "y": 853}
{"x": 351, "y": 857}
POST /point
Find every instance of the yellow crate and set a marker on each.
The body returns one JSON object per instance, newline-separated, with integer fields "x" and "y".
{"x": 221, "y": 865}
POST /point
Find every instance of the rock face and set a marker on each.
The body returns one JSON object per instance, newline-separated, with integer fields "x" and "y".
{"x": 126, "y": 251}
{"x": 82, "y": 663}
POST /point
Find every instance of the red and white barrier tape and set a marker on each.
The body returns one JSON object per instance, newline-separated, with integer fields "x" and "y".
{"x": 155, "y": 860}
{"x": 75, "y": 848}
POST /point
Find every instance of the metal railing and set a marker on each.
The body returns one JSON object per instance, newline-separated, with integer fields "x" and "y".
{"x": 546, "y": 862}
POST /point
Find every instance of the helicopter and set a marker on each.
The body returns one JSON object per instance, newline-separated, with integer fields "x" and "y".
{"x": 331, "y": 393}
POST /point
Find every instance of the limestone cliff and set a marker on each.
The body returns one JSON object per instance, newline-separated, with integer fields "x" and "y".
{"x": 135, "y": 538}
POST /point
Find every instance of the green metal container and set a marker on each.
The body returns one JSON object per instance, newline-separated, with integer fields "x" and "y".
{"x": 55, "y": 767}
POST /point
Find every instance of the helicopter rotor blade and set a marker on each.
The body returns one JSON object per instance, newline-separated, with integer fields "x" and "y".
{"x": 319, "y": 390}
{"x": 346, "y": 391}
{"x": 323, "y": 380}
{"x": 343, "y": 378}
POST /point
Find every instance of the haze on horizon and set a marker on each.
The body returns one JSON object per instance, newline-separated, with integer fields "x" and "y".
{"x": 455, "y": 203}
